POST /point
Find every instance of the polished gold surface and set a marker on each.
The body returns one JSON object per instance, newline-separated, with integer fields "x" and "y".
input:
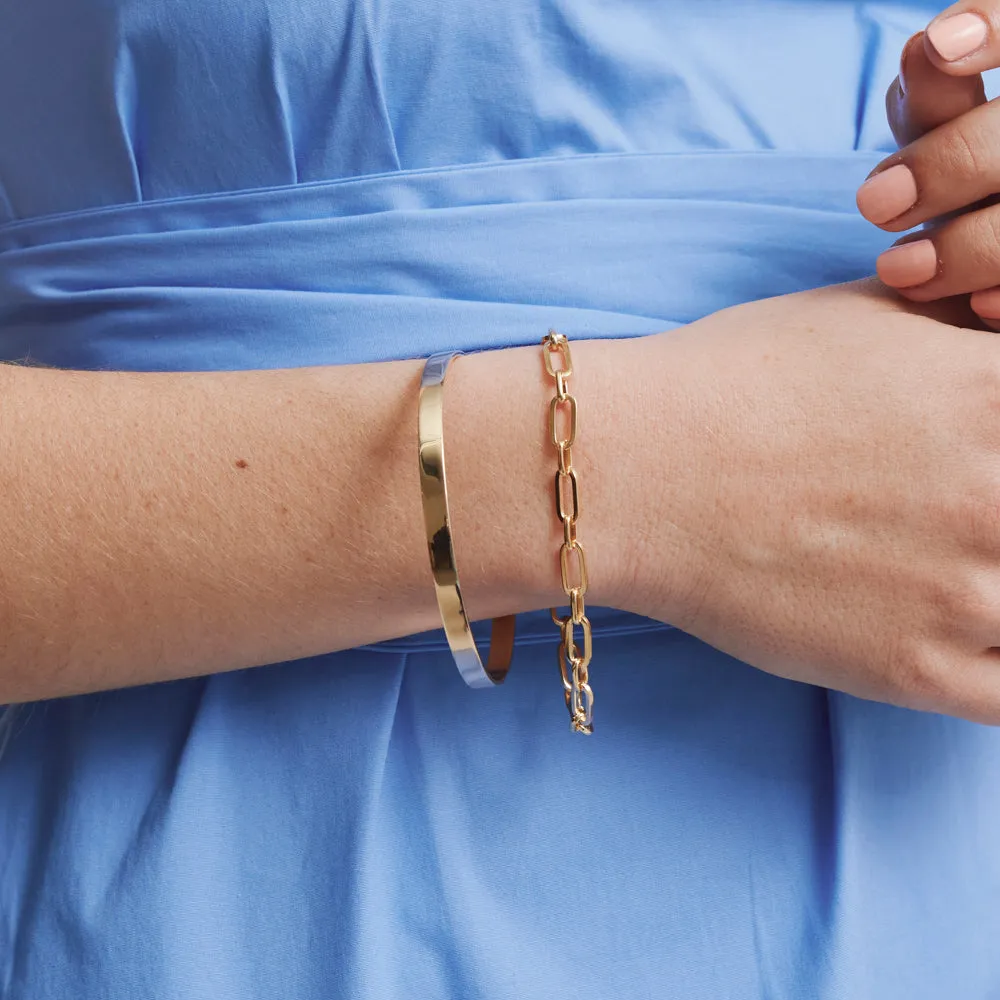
{"x": 437, "y": 521}
{"x": 573, "y": 664}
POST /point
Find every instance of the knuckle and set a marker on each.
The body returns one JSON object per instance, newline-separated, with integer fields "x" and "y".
{"x": 928, "y": 676}
{"x": 966, "y": 602}
{"x": 974, "y": 239}
{"x": 921, "y": 678}
{"x": 990, "y": 223}
{"x": 964, "y": 155}
{"x": 925, "y": 676}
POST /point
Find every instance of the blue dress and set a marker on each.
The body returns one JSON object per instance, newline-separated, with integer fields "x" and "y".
{"x": 229, "y": 184}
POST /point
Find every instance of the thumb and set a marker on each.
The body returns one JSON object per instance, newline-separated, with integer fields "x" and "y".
{"x": 923, "y": 97}
{"x": 965, "y": 38}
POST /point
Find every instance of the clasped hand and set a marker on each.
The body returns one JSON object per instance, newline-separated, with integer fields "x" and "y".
{"x": 949, "y": 163}
{"x": 830, "y": 499}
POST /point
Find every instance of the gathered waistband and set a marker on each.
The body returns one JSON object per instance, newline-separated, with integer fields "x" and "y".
{"x": 407, "y": 263}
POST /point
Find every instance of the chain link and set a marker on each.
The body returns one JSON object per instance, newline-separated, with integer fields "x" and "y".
{"x": 574, "y": 663}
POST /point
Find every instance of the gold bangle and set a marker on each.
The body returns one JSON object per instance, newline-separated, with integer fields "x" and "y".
{"x": 573, "y": 664}
{"x": 437, "y": 521}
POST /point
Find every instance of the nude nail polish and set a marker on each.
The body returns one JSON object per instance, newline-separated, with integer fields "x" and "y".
{"x": 909, "y": 264}
{"x": 958, "y": 36}
{"x": 887, "y": 195}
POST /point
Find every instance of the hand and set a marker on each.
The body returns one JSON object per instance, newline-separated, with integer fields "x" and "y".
{"x": 951, "y": 164}
{"x": 823, "y": 498}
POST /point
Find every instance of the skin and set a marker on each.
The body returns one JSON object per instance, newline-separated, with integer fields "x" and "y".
{"x": 834, "y": 514}
{"x": 811, "y": 483}
{"x": 164, "y": 525}
{"x": 816, "y": 495}
{"x": 949, "y": 168}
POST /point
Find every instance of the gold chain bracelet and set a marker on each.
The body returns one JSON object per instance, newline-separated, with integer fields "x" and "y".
{"x": 573, "y": 665}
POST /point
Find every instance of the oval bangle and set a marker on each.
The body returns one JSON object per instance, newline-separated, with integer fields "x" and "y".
{"x": 437, "y": 521}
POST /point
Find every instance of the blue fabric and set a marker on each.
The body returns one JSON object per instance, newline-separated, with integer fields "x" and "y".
{"x": 210, "y": 184}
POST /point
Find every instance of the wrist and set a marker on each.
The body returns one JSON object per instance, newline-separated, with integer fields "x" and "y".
{"x": 645, "y": 459}
{"x": 675, "y": 466}
{"x": 502, "y": 467}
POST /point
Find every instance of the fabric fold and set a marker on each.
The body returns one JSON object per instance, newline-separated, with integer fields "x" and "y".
{"x": 404, "y": 264}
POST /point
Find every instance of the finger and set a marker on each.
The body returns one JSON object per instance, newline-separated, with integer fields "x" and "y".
{"x": 964, "y": 686}
{"x": 956, "y": 165}
{"x": 965, "y": 38}
{"x": 922, "y": 97}
{"x": 955, "y": 258}
{"x": 986, "y": 305}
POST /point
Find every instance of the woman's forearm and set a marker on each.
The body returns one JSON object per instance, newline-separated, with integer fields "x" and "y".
{"x": 163, "y": 525}
{"x": 807, "y": 483}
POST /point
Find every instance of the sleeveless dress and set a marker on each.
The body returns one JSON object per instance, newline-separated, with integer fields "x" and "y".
{"x": 230, "y": 184}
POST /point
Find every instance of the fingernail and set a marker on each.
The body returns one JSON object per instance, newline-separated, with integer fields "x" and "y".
{"x": 908, "y": 265}
{"x": 887, "y": 195}
{"x": 957, "y": 37}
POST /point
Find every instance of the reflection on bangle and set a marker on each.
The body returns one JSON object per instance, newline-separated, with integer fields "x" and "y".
{"x": 437, "y": 521}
